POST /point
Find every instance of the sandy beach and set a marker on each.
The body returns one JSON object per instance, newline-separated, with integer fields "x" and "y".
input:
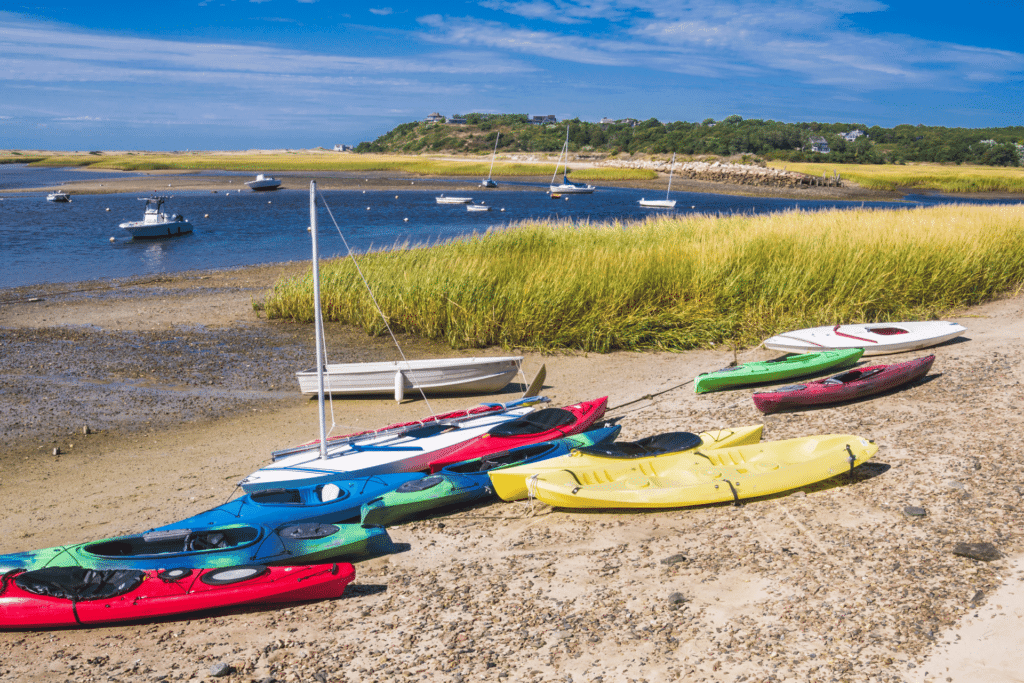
{"x": 132, "y": 404}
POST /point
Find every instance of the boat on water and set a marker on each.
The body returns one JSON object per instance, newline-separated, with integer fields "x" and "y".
{"x": 441, "y": 199}
{"x": 263, "y": 183}
{"x": 665, "y": 203}
{"x": 487, "y": 182}
{"x": 473, "y": 375}
{"x": 58, "y": 196}
{"x": 565, "y": 187}
{"x": 477, "y": 207}
{"x": 156, "y": 223}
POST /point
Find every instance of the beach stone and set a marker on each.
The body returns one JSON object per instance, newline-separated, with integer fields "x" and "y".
{"x": 674, "y": 559}
{"x": 913, "y": 511}
{"x": 676, "y": 599}
{"x": 953, "y": 484}
{"x": 221, "y": 669}
{"x": 985, "y": 552}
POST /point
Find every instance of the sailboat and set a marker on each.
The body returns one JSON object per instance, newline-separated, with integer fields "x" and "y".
{"x": 468, "y": 375}
{"x": 566, "y": 187}
{"x": 487, "y": 182}
{"x": 665, "y": 203}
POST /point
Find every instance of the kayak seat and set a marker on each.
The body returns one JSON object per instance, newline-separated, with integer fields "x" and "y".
{"x": 534, "y": 423}
{"x": 267, "y": 496}
{"x": 670, "y": 442}
{"x": 76, "y": 583}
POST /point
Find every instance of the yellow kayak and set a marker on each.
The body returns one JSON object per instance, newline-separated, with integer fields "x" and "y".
{"x": 710, "y": 475}
{"x": 607, "y": 463}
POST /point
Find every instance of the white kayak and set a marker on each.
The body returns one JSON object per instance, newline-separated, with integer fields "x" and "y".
{"x": 383, "y": 453}
{"x": 875, "y": 338}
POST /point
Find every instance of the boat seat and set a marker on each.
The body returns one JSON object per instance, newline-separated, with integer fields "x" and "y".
{"x": 76, "y": 583}
{"x": 659, "y": 444}
{"x": 534, "y": 423}
{"x": 268, "y": 496}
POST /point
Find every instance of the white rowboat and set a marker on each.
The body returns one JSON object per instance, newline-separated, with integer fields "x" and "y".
{"x": 475, "y": 375}
{"x": 875, "y": 338}
{"x": 453, "y": 200}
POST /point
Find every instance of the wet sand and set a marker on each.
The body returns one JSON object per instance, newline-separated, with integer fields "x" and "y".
{"x": 186, "y": 390}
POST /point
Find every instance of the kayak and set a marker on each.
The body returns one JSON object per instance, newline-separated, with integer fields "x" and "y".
{"x": 408, "y": 450}
{"x": 606, "y": 460}
{"x": 712, "y": 475}
{"x": 543, "y": 425}
{"x": 875, "y": 338}
{"x": 467, "y": 482}
{"x": 336, "y": 501}
{"x": 772, "y": 370}
{"x": 211, "y": 547}
{"x": 846, "y": 386}
{"x": 72, "y": 596}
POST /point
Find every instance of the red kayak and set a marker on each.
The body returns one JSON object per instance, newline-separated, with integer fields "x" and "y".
{"x": 846, "y": 386}
{"x": 537, "y": 427}
{"x": 72, "y": 596}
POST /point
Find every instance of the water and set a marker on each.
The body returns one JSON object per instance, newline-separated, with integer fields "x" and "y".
{"x": 45, "y": 242}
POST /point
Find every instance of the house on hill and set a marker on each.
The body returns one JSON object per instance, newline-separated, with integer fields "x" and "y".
{"x": 851, "y": 136}
{"x": 458, "y": 120}
{"x": 819, "y": 144}
{"x": 435, "y": 118}
{"x": 541, "y": 120}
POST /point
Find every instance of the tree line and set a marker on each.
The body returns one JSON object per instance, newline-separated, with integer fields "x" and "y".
{"x": 734, "y": 135}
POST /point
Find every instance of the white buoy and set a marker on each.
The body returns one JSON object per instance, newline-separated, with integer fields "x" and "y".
{"x": 406, "y": 220}
{"x": 367, "y": 208}
{"x": 503, "y": 208}
{"x": 364, "y": 191}
{"x": 268, "y": 201}
{"x": 111, "y": 239}
{"x": 108, "y": 208}
{"x": 206, "y": 215}
{"x": 396, "y": 196}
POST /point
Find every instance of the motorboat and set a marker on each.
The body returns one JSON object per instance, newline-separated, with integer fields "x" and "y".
{"x": 665, "y": 203}
{"x": 58, "y": 197}
{"x": 477, "y": 207}
{"x": 263, "y": 183}
{"x": 441, "y": 199}
{"x": 156, "y": 223}
{"x": 566, "y": 187}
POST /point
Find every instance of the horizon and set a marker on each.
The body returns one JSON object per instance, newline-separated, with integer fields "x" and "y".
{"x": 293, "y": 74}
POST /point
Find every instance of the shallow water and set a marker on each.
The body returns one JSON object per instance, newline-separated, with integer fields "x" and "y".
{"x": 45, "y": 242}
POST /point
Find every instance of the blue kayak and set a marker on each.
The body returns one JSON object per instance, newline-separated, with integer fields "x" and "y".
{"x": 336, "y": 501}
{"x": 467, "y": 482}
{"x": 219, "y": 546}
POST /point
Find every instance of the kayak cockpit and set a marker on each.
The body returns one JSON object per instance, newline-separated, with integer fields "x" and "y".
{"x": 174, "y": 541}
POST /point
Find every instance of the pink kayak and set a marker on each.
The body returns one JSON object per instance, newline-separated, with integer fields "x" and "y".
{"x": 846, "y": 386}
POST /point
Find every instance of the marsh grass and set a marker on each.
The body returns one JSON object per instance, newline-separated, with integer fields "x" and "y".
{"x": 675, "y": 283}
{"x": 327, "y": 161}
{"x": 953, "y": 179}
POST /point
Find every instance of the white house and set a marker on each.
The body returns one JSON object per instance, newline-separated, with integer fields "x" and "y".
{"x": 819, "y": 144}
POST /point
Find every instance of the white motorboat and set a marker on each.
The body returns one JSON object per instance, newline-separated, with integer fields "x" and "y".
{"x": 156, "y": 223}
{"x": 58, "y": 196}
{"x": 875, "y": 338}
{"x": 477, "y": 207}
{"x": 263, "y": 183}
{"x": 665, "y": 203}
{"x": 474, "y": 375}
{"x": 566, "y": 187}
{"x": 487, "y": 182}
{"x": 441, "y": 199}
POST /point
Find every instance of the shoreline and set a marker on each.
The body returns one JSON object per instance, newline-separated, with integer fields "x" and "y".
{"x": 188, "y": 391}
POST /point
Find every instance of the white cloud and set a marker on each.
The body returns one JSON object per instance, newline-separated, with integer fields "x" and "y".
{"x": 382, "y": 12}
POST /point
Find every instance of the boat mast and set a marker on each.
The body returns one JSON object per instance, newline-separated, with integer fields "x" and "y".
{"x": 493, "y": 154}
{"x": 671, "y": 167}
{"x": 318, "y": 316}
{"x": 565, "y": 148}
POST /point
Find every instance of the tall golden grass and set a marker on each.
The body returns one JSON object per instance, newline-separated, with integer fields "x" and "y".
{"x": 325, "y": 161}
{"x": 952, "y": 179}
{"x": 675, "y": 283}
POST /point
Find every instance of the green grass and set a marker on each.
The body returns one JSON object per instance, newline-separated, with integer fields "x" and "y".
{"x": 952, "y": 179}
{"x": 675, "y": 283}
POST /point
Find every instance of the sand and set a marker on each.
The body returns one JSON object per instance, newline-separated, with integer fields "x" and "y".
{"x": 832, "y": 582}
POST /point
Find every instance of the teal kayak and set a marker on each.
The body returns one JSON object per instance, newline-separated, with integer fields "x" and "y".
{"x": 463, "y": 483}
{"x": 758, "y": 372}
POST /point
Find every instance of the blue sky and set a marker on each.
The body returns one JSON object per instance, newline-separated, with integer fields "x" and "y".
{"x": 244, "y": 74}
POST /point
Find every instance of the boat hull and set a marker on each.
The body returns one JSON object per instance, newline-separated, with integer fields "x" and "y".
{"x": 142, "y": 231}
{"x": 438, "y": 376}
{"x": 773, "y": 370}
{"x": 571, "y": 189}
{"x": 512, "y": 483}
{"x": 875, "y": 338}
{"x": 846, "y": 386}
{"x": 66, "y": 596}
{"x": 658, "y": 203}
{"x": 716, "y": 476}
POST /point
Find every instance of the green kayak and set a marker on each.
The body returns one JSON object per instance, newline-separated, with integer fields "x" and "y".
{"x": 772, "y": 370}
